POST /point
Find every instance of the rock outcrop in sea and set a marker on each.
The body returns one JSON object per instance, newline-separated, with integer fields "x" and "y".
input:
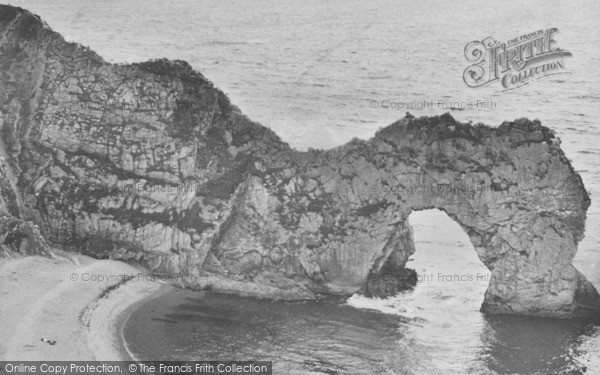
{"x": 150, "y": 163}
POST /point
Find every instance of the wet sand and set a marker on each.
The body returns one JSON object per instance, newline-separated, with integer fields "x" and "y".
{"x": 78, "y": 302}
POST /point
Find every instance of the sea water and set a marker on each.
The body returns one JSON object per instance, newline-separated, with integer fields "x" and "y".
{"x": 435, "y": 329}
{"x": 320, "y": 72}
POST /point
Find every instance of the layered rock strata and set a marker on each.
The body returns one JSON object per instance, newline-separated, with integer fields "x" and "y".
{"x": 151, "y": 163}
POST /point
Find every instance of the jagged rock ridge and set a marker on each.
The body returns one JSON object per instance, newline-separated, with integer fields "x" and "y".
{"x": 151, "y": 163}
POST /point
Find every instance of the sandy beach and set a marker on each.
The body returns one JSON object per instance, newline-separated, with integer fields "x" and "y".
{"x": 78, "y": 302}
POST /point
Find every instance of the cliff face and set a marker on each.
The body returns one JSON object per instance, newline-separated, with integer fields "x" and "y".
{"x": 151, "y": 163}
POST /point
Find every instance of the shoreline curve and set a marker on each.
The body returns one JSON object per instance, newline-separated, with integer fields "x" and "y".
{"x": 58, "y": 300}
{"x": 106, "y": 317}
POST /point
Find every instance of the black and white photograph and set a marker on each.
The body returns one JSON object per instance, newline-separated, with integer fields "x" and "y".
{"x": 303, "y": 187}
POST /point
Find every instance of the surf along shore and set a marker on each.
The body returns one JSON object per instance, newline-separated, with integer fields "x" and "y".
{"x": 71, "y": 307}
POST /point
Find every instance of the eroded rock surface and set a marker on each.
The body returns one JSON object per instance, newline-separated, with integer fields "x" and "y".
{"x": 151, "y": 163}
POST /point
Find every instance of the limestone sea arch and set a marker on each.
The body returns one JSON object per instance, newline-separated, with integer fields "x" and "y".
{"x": 151, "y": 163}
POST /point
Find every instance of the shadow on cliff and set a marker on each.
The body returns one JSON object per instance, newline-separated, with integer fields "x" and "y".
{"x": 151, "y": 163}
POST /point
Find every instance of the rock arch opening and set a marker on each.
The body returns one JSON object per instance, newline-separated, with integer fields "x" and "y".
{"x": 261, "y": 218}
{"x": 434, "y": 260}
{"x": 449, "y": 271}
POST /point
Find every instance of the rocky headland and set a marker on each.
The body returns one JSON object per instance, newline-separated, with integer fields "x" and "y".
{"x": 151, "y": 164}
